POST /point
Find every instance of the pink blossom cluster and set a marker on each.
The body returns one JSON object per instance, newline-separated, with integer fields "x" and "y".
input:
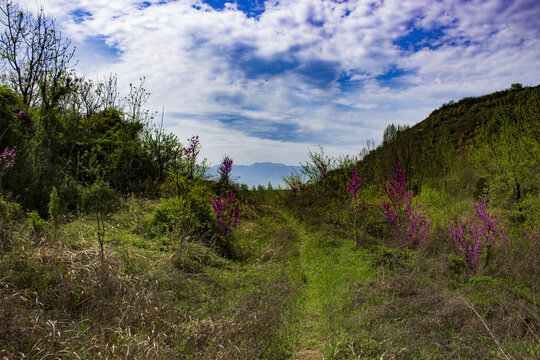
{"x": 227, "y": 216}
{"x": 492, "y": 226}
{"x": 225, "y": 168}
{"x": 410, "y": 224}
{"x": 533, "y": 235}
{"x": 192, "y": 151}
{"x": 472, "y": 235}
{"x": 353, "y": 187}
{"x": 468, "y": 236}
{"x": 322, "y": 166}
{"x": 297, "y": 185}
{"x": 7, "y": 158}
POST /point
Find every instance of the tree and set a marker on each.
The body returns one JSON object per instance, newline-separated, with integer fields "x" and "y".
{"x": 35, "y": 52}
{"x": 509, "y": 152}
{"x": 318, "y": 167}
{"x": 225, "y": 169}
{"x": 400, "y": 149}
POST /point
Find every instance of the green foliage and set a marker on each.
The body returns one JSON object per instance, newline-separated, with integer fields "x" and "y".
{"x": 318, "y": 166}
{"x": 35, "y": 222}
{"x": 98, "y": 195}
{"x": 112, "y": 149}
{"x": 54, "y": 208}
{"x": 10, "y": 210}
{"x": 509, "y": 153}
{"x": 189, "y": 213}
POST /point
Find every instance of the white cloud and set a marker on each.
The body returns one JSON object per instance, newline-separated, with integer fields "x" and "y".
{"x": 281, "y": 68}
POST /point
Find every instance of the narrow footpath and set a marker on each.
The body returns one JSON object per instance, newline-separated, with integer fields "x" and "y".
{"x": 325, "y": 267}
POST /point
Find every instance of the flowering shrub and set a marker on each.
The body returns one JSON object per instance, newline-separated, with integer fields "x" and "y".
{"x": 472, "y": 235}
{"x": 7, "y": 159}
{"x": 410, "y": 224}
{"x": 467, "y": 236}
{"x": 354, "y": 186}
{"x": 191, "y": 152}
{"x": 225, "y": 168}
{"x": 353, "y": 189}
{"x": 295, "y": 182}
{"x": 227, "y": 216}
{"x": 533, "y": 235}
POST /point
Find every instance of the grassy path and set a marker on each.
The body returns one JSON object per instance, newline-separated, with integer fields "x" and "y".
{"x": 325, "y": 268}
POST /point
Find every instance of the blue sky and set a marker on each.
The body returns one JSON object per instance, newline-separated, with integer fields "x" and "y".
{"x": 268, "y": 80}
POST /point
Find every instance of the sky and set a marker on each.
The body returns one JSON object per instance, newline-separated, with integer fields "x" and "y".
{"x": 266, "y": 81}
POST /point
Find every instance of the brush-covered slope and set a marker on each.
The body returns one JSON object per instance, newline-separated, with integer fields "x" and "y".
{"x": 430, "y": 149}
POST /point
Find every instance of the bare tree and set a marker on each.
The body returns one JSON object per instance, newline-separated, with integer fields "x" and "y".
{"x": 135, "y": 101}
{"x": 35, "y": 53}
{"x": 107, "y": 92}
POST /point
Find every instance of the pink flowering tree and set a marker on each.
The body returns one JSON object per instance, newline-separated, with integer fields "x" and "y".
{"x": 353, "y": 189}
{"x": 411, "y": 225}
{"x": 225, "y": 169}
{"x": 295, "y": 182}
{"x": 474, "y": 234}
{"x": 227, "y": 218}
{"x": 533, "y": 235}
{"x": 317, "y": 168}
{"x": 227, "y": 215}
{"x": 191, "y": 152}
{"x": 7, "y": 159}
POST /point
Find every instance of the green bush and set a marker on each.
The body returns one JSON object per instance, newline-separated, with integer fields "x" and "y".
{"x": 187, "y": 214}
{"x": 35, "y": 222}
{"x": 99, "y": 193}
{"x": 10, "y": 211}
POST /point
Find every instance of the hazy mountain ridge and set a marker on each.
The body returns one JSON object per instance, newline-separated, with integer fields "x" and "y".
{"x": 258, "y": 173}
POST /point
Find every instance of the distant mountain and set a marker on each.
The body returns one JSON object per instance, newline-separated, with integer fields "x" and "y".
{"x": 259, "y": 173}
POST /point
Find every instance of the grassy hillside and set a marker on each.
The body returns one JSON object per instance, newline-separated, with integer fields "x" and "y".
{"x": 324, "y": 271}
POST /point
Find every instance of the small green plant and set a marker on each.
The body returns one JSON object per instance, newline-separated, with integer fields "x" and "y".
{"x": 35, "y": 222}
{"x": 353, "y": 189}
{"x": 54, "y": 211}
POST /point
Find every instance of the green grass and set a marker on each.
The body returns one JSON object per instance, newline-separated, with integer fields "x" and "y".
{"x": 298, "y": 288}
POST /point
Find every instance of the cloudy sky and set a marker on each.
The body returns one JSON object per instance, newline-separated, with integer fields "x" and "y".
{"x": 268, "y": 80}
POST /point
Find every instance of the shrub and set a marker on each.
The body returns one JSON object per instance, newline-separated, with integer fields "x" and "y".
{"x": 227, "y": 217}
{"x": 410, "y": 225}
{"x": 188, "y": 213}
{"x": 473, "y": 234}
{"x": 353, "y": 189}
{"x": 225, "y": 169}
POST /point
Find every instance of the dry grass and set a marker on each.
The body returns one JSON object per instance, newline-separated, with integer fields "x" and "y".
{"x": 398, "y": 316}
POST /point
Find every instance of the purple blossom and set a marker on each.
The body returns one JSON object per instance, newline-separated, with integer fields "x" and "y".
{"x": 472, "y": 235}
{"x": 7, "y": 159}
{"x": 322, "y": 166}
{"x": 533, "y": 235}
{"x": 191, "y": 153}
{"x": 410, "y": 225}
{"x": 353, "y": 187}
{"x": 227, "y": 216}
{"x": 21, "y": 113}
{"x": 468, "y": 236}
{"x": 225, "y": 168}
{"x": 493, "y": 228}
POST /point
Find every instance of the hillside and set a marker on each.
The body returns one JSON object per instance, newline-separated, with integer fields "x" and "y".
{"x": 431, "y": 147}
{"x": 114, "y": 243}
